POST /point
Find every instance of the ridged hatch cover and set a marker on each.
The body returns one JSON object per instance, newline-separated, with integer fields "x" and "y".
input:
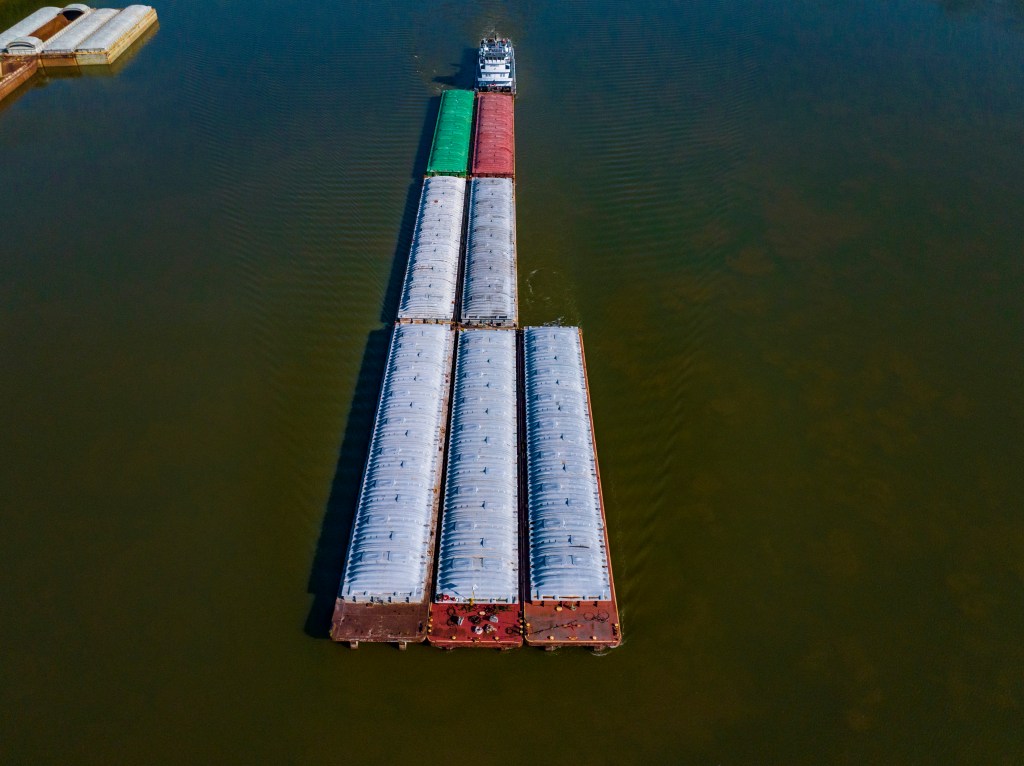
{"x": 449, "y": 153}
{"x": 479, "y": 557}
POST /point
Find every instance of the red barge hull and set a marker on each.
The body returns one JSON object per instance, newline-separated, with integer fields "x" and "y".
{"x": 487, "y": 626}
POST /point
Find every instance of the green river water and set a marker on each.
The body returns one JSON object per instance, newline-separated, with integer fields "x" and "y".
{"x": 791, "y": 233}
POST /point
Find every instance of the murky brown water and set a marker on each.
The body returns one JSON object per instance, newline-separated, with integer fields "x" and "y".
{"x": 792, "y": 238}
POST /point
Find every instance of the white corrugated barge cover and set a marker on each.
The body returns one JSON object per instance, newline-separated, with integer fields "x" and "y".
{"x": 568, "y": 558}
{"x": 479, "y": 557}
{"x": 433, "y": 271}
{"x": 390, "y": 552}
{"x": 122, "y": 25}
{"x": 28, "y": 25}
{"x": 69, "y": 38}
{"x": 489, "y": 290}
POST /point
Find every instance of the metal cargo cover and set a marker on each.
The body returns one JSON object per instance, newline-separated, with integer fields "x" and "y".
{"x": 28, "y": 25}
{"x": 449, "y": 152}
{"x": 489, "y": 294}
{"x": 479, "y": 555}
{"x": 568, "y": 555}
{"x": 390, "y": 554}
{"x": 68, "y": 39}
{"x": 432, "y": 275}
{"x": 124, "y": 27}
{"x": 494, "y": 141}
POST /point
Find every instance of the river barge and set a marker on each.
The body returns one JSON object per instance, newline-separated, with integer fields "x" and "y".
{"x": 77, "y": 35}
{"x": 494, "y": 137}
{"x": 385, "y": 588}
{"x": 570, "y": 598}
{"x": 449, "y": 149}
{"x": 476, "y": 597}
{"x": 432, "y": 274}
{"x": 496, "y": 66}
{"x": 489, "y": 288}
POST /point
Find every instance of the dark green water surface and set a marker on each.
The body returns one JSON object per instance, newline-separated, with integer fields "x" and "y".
{"x": 791, "y": 233}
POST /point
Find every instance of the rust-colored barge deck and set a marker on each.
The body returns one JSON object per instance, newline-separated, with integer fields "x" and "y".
{"x": 486, "y": 626}
{"x": 399, "y": 624}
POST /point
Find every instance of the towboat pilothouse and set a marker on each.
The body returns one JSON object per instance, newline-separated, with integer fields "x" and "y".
{"x": 496, "y": 66}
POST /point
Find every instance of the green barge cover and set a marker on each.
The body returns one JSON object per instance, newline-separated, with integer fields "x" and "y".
{"x": 449, "y": 154}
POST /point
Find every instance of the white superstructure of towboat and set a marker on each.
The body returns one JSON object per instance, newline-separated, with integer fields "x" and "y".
{"x": 496, "y": 66}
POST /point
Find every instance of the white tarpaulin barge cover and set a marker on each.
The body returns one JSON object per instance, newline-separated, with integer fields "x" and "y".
{"x": 489, "y": 293}
{"x": 479, "y": 557}
{"x": 568, "y": 558}
{"x": 433, "y": 271}
{"x": 391, "y": 549}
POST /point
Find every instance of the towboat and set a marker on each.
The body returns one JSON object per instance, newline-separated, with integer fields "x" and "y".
{"x": 496, "y": 66}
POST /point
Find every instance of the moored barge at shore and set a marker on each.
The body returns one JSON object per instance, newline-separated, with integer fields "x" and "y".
{"x": 77, "y": 35}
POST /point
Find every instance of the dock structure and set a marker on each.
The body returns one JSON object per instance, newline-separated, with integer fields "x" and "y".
{"x": 75, "y": 35}
{"x": 449, "y": 150}
{"x": 476, "y": 597}
{"x": 490, "y": 290}
{"x": 494, "y": 136}
{"x": 385, "y": 589}
{"x": 571, "y": 596}
{"x": 432, "y": 275}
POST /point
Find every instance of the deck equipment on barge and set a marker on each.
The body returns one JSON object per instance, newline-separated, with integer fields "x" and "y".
{"x": 476, "y": 599}
{"x": 490, "y": 292}
{"x": 449, "y": 151}
{"x": 496, "y": 66}
{"x": 385, "y": 588}
{"x": 494, "y": 136}
{"x": 431, "y": 278}
{"x": 571, "y": 597}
